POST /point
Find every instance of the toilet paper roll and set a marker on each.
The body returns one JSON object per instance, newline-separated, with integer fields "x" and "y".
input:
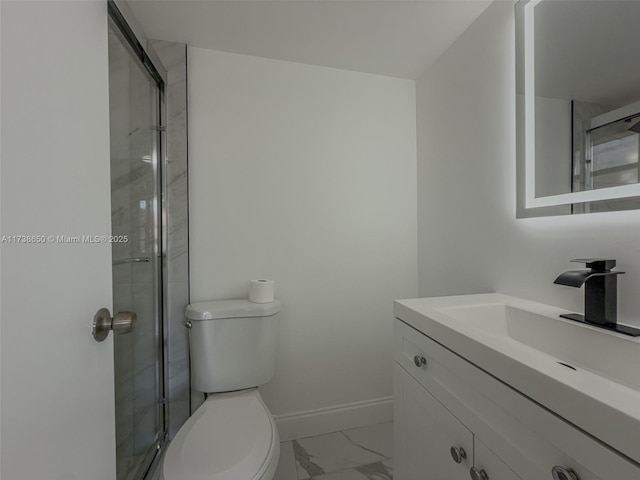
{"x": 261, "y": 291}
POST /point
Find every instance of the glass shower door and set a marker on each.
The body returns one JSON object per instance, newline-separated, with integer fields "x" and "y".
{"x": 137, "y": 269}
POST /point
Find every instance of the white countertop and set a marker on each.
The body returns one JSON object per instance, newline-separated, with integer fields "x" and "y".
{"x": 601, "y": 396}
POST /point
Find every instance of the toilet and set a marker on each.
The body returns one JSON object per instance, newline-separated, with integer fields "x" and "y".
{"x": 232, "y": 435}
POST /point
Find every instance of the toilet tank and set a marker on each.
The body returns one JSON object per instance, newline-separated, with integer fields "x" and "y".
{"x": 233, "y": 344}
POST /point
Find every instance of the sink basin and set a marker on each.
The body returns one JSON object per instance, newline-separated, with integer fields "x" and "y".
{"x": 586, "y": 375}
{"x": 613, "y": 356}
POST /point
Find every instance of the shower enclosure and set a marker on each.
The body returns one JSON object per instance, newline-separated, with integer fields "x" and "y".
{"x": 136, "y": 109}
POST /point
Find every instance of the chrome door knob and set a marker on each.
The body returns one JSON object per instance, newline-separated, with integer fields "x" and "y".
{"x": 122, "y": 322}
{"x": 458, "y": 454}
{"x": 561, "y": 473}
{"x": 419, "y": 360}
{"x": 478, "y": 474}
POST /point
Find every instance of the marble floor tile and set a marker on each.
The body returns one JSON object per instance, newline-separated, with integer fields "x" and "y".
{"x": 333, "y": 452}
{"x": 375, "y": 438}
{"x": 377, "y": 471}
{"x": 286, "y": 464}
{"x": 372, "y": 471}
{"x": 350, "y": 474}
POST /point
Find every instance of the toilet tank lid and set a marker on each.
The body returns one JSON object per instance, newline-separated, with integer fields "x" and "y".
{"x": 220, "y": 309}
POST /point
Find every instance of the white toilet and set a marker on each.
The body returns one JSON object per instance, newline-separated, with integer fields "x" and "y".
{"x": 232, "y": 436}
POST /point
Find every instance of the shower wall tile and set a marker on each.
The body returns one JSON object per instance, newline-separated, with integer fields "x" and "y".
{"x": 122, "y": 296}
{"x": 178, "y": 255}
{"x": 174, "y": 58}
{"x": 141, "y": 272}
{"x": 119, "y": 73}
{"x": 179, "y": 379}
{"x": 145, "y": 343}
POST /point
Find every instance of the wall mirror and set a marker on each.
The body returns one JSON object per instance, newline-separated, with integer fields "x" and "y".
{"x": 578, "y": 106}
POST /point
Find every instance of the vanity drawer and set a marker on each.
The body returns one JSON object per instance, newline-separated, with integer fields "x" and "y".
{"x": 413, "y": 352}
{"x": 529, "y": 439}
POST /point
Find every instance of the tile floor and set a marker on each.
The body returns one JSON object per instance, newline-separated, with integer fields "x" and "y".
{"x": 357, "y": 454}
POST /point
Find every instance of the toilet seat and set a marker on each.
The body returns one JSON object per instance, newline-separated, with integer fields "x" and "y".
{"x": 230, "y": 437}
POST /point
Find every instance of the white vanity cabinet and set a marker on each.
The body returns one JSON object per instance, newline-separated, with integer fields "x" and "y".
{"x": 425, "y": 432}
{"x": 443, "y": 401}
{"x": 489, "y": 465}
{"x": 432, "y": 444}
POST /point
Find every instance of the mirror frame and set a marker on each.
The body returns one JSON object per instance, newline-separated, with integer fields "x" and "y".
{"x": 528, "y": 203}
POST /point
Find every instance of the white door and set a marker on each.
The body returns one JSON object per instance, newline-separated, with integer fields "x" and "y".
{"x": 424, "y": 433}
{"x": 57, "y": 417}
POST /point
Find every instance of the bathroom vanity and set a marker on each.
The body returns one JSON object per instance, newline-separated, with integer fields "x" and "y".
{"x": 492, "y": 387}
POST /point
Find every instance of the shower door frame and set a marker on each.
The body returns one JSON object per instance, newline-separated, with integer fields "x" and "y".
{"x": 155, "y": 70}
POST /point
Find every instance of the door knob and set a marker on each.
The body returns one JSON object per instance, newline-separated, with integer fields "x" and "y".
{"x": 122, "y": 322}
{"x": 458, "y": 454}
{"x": 419, "y": 360}
{"x": 561, "y": 473}
{"x": 478, "y": 474}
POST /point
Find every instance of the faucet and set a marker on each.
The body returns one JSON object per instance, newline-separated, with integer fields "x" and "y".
{"x": 600, "y": 296}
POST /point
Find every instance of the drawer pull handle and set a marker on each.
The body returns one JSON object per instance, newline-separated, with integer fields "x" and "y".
{"x": 478, "y": 474}
{"x": 419, "y": 361}
{"x": 561, "y": 473}
{"x": 458, "y": 454}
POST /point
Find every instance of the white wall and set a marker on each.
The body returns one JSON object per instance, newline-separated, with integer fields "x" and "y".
{"x": 469, "y": 238}
{"x": 306, "y": 175}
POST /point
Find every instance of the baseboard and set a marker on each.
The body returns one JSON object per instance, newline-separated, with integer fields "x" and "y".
{"x": 310, "y": 423}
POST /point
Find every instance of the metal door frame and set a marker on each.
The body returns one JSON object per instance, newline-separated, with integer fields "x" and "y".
{"x": 157, "y": 73}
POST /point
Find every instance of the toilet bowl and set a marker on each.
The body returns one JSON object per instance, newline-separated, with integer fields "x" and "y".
{"x": 232, "y": 436}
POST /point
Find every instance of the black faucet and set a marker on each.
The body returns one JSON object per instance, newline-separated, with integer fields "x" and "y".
{"x": 600, "y": 295}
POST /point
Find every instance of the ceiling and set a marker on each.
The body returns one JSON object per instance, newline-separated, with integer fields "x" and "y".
{"x": 394, "y": 38}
